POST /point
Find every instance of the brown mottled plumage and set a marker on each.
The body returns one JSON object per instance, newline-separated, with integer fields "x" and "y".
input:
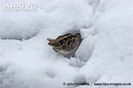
{"x": 66, "y": 44}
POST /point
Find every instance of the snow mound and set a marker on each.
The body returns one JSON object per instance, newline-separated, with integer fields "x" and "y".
{"x": 19, "y": 25}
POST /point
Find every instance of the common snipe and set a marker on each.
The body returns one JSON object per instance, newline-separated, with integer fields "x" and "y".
{"x": 66, "y": 44}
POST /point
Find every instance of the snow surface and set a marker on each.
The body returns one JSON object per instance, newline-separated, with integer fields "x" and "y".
{"x": 105, "y": 54}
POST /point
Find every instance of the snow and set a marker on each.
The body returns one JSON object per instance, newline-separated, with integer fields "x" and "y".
{"x": 105, "y": 54}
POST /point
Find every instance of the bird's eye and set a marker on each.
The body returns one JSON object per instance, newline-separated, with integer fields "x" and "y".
{"x": 55, "y": 44}
{"x": 61, "y": 42}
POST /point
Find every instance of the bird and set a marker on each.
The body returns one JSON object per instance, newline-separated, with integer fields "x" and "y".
{"x": 66, "y": 44}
